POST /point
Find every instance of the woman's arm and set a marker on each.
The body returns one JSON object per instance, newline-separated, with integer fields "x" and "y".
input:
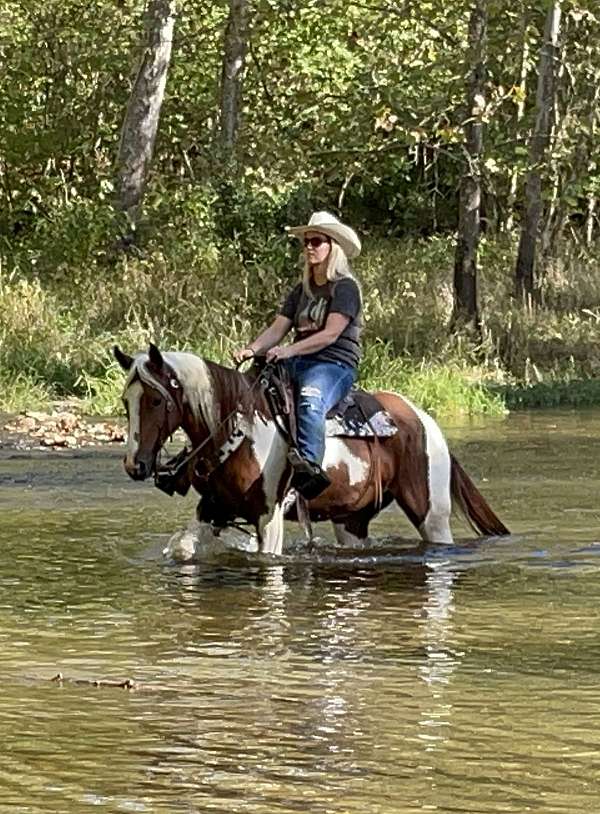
{"x": 267, "y": 339}
{"x": 333, "y": 327}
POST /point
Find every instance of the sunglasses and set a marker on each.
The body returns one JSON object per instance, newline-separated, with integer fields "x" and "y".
{"x": 315, "y": 242}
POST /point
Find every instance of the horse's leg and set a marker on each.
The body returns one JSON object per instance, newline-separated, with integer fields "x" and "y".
{"x": 436, "y": 526}
{"x": 270, "y": 458}
{"x": 270, "y": 531}
{"x": 424, "y": 493}
{"x": 354, "y": 529}
{"x": 295, "y": 508}
{"x": 426, "y": 502}
{"x": 183, "y": 546}
{"x": 419, "y": 473}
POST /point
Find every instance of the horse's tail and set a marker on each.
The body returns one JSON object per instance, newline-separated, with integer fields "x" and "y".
{"x": 473, "y": 504}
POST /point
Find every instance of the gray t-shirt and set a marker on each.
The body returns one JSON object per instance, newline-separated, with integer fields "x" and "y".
{"x": 309, "y": 315}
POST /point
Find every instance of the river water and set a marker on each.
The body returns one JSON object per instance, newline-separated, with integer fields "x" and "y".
{"x": 397, "y": 678}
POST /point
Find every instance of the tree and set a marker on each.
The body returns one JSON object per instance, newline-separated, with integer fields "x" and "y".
{"x": 143, "y": 111}
{"x": 232, "y": 75}
{"x": 540, "y": 139}
{"x": 465, "y": 264}
{"x": 520, "y": 112}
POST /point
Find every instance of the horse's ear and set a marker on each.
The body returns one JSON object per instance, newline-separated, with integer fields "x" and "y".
{"x": 122, "y": 358}
{"x": 156, "y": 359}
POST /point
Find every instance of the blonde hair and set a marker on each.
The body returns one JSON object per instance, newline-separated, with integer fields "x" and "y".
{"x": 338, "y": 267}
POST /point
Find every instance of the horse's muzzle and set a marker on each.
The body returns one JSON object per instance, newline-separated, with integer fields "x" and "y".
{"x": 138, "y": 470}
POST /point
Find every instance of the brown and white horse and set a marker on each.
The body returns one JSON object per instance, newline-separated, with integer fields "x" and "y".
{"x": 215, "y": 405}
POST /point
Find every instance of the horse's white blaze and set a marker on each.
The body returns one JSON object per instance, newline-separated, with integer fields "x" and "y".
{"x": 133, "y": 394}
{"x": 436, "y": 526}
{"x": 337, "y": 453}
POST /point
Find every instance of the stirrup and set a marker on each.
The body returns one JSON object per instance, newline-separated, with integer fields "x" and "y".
{"x": 308, "y": 478}
{"x": 310, "y": 486}
{"x": 299, "y": 464}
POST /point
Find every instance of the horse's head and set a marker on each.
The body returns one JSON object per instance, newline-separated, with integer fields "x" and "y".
{"x": 153, "y": 400}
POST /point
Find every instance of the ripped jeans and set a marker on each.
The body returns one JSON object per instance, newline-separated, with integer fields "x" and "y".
{"x": 318, "y": 386}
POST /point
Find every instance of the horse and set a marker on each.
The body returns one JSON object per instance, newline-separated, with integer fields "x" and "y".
{"x": 240, "y": 464}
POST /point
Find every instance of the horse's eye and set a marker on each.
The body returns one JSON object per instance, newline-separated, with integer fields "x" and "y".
{"x": 156, "y": 402}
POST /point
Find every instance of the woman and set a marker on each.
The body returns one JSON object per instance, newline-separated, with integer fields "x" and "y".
{"x": 324, "y": 309}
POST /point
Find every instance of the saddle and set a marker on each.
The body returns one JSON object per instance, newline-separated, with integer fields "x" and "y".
{"x": 357, "y": 415}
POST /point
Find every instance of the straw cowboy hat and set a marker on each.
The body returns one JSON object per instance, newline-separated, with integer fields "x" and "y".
{"x": 327, "y": 224}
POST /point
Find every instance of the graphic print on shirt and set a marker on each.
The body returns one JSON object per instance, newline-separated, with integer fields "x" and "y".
{"x": 312, "y": 315}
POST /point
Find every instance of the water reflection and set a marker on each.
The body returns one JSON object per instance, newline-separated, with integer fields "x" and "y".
{"x": 441, "y": 660}
{"x": 396, "y": 678}
{"x": 341, "y": 643}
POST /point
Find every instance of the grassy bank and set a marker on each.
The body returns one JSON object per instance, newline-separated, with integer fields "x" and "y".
{"x": 65, "y": 299}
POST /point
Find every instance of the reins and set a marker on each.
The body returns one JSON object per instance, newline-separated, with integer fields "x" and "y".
{"x": 275, "y": 402}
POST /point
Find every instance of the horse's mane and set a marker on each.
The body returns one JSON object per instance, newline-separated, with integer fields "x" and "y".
{"x": 236, "y": 391}
{"x": 211, "y": 391}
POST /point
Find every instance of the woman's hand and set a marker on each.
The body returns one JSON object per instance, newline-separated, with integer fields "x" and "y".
{"x": 241, "y": 354}
{"x": 279, "y": 352}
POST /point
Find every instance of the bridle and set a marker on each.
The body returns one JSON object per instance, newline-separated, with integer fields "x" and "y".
{"x": 173, "y": 396}
{"x": 174, "y": 400}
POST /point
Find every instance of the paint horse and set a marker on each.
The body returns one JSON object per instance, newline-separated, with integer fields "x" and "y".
{"x": 223, "y": 412}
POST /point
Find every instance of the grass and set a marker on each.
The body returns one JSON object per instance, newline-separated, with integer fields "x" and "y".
{"x": 444, "y": 389}
{"x": 552, "y": 394}
{"x": 19, "y": 392}
{"x": 63, "y": 307}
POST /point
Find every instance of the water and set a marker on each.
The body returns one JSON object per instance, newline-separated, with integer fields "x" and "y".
{"x": 396, "y": 678}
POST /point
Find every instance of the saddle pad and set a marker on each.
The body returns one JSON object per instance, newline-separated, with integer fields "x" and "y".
{"x": 359, "y": 415}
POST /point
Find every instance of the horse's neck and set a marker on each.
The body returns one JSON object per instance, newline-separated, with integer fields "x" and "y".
{"x": 194, "y": 427}
{"x": 228, "y": 400}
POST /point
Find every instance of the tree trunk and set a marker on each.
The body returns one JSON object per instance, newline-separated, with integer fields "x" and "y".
{"x": 525, "y": 279}
{"x": 523, "y": 70}
{"x": 555, "y": 213}
{"x": 465, "y": 263}
{"x": 143, "y": 111}
{"x": 590, "y": 219}
{"x": 234, "y": 60}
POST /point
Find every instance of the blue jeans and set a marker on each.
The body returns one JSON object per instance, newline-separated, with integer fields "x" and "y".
{"x": 318, "y": 386}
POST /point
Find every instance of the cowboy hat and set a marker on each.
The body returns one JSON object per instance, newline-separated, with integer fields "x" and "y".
{"x": 327, "y": 224}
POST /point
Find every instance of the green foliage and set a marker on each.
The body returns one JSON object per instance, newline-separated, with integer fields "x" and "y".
{"x": 552, "y": 394}
{"x": 446, "y": 389}
{"x": 33, "y": 322}
{"x": 357, "y": 109}
{"x": 102, "y": 393}
{"x": 191, "y": 289}
{"x": 63, "y": 97}
{"x": 19, "y": 392}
